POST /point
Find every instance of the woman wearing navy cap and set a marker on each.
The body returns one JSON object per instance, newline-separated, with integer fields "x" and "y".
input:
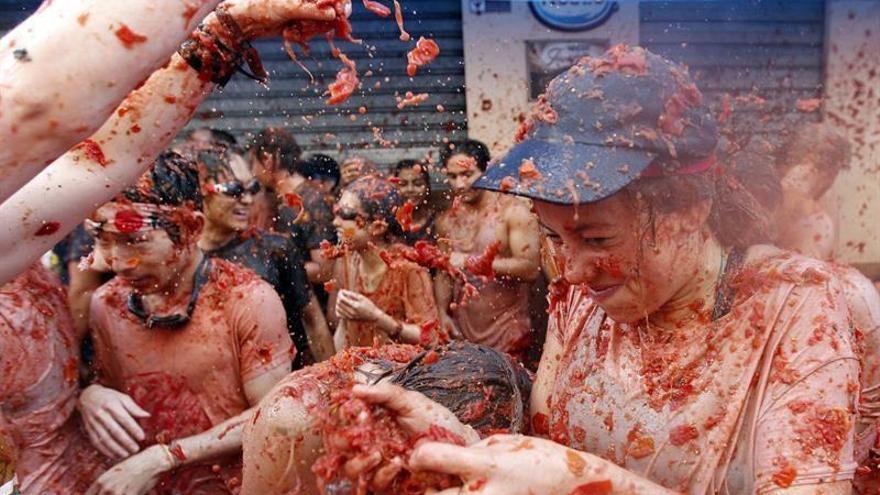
{"x": 681, "y": 355}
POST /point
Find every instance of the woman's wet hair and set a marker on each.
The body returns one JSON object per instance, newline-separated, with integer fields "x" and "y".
{"x": 472, "y": 148}
{"x": 379, "y": 199}
{"x": 408, "y": 164}
{"x": 737, "y": 218}
{"x": 480, "y": 385}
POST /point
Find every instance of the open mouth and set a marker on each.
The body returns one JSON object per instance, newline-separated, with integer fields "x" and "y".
{"x": 604, "y": 292}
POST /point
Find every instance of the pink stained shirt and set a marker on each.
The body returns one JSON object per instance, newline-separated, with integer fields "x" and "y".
{"x": 764, "y": 398}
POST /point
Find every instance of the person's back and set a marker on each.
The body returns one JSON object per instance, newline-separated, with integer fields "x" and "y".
{"x": 39, "y": 362}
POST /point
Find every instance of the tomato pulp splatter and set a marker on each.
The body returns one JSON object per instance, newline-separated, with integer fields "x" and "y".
{"x": 92, "y": 151}
{"x": 129, "y": 38}
{"x": 481, "y": 265}
{"x": 425, "y": 51}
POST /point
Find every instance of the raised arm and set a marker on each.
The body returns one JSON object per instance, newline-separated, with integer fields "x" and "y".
{"x": 67, "y": 67}
{"x": 94, "y": 171}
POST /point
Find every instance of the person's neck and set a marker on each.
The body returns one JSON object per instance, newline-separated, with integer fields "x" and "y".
{"x": 371, "y": 262}
{"x": 178, "y": 291}
{"x": 695, "y": 300}
{"x": 215, "y": 237}
{"x": 421, "y": 212}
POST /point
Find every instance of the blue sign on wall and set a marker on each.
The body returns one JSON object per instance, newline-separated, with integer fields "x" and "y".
{"x": 573, "y": 15}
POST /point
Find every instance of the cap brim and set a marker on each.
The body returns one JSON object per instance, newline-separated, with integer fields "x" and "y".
{"x": 565, "y": 172}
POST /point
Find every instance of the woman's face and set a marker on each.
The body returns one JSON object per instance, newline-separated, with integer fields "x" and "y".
{"x": 229, "y": 206}
{"x": 412, "y": 185}
{"x": 351, "y": 222}
{"x": 610, "y": 248}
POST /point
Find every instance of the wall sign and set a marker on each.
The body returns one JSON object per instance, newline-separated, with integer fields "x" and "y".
{"x": 573, "y": 15}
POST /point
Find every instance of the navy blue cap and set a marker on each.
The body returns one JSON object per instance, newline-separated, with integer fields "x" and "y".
{"x": 601, "y": 124}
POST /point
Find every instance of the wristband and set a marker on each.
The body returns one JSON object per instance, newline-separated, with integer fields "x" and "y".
{"x": 217, "y": 51}
{"x": 173, "y": 458}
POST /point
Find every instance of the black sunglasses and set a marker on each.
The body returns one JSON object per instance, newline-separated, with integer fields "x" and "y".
{"x": 347, "y": 214}
{"x": 235, "y": 189}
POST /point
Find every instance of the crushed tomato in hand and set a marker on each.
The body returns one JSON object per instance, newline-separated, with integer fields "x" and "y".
{"x": 404, "y": 216}
{"x": 481, "y": 265}
{"x": 367, "y": 451}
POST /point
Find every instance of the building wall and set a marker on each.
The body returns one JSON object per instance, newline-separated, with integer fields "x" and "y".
{"x": 496, "y": 77}
{"x": 852, "y": 101}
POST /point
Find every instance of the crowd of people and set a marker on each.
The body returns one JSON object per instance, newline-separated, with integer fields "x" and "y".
{"x": 235, "y": 315}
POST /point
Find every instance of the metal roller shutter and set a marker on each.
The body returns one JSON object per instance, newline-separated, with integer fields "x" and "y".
{"x": 772, "y": 48}
{"x": 291, "y": 101}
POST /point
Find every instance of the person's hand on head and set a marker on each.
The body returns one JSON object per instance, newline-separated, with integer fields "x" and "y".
{"x": 414, "y": 410}
{"x": 354, "y": 306}
{"x": 110, "y": 419}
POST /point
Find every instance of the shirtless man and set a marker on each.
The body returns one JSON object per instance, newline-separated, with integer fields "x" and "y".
{"x": 39, "y": 356}
{"x": 498, "y": 317}
{"x": 185, "y": 345}
{"x": 811, "y": 161}
{"x": 39, "y": 120}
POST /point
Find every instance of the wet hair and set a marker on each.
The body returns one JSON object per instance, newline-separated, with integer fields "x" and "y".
{"x": 407, "y": 164}
{"x": 737, "y": 218}
{"x": 278, "y": 143}
{"x": 472, "y": 148}
{"x": 218, "y": 136}
{"x": 379, "y": 200}
{"x": 320, "y": 167}
{"x": 213, "y": 161}
{"x": 480, "y": 385}
{"x": 172, "y": 180}
{"x": 819, "y": 143}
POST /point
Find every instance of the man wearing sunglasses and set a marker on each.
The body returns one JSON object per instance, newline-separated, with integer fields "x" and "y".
{"x": 229, "y": 190}
{"x": 185, "y": 344}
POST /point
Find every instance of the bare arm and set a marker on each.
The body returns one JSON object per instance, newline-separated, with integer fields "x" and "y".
{"x": 53, "y": 97}
{"x": 144, "y": 124}
{"x": 225, "y": 438}
{"x": 137, "y": 474}
{"x": 542, "y": 389}
{"x": 78, "y": 184}
{"x": 79, "y": 294}
{"x": 320, "y": 339}
{"x": 524, "y": 241}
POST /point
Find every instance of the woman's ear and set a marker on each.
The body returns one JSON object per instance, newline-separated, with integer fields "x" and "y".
{"x": 696, "y": 217}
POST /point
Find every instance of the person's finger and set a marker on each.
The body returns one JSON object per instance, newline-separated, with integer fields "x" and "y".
{"x": 386, "y": 474}
{"x": 121, "y": 440}
{"x": 389, "y": 395}
{"x": 364, "y": 462}
{"x": 96, "y": 440}
{"x": 467, "y": 462}
{"x": 133, "y": 408}
{"x": 124, "y": 419}
{"x": 104, "y": 439}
